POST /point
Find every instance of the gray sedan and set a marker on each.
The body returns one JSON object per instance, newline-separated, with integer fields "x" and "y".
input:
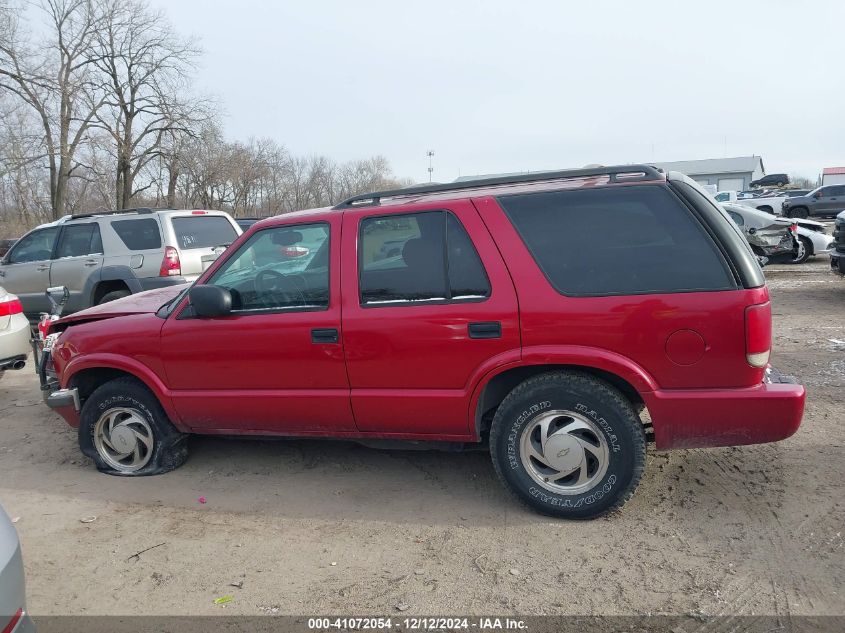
{"x": 13, "y": 615}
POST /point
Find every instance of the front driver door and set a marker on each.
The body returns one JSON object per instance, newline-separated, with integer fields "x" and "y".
{"x": 275, "y": 364}
{"x": 26, "y": 270}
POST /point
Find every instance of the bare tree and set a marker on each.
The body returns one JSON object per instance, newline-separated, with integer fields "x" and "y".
{"x": 145, "y": 69}
{"x": 52, "y": 77}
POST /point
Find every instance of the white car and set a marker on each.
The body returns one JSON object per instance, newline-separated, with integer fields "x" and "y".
{"x": 816, "y": 241}
{"x": 811, "y": 236}
{"x": 15, "y": 333}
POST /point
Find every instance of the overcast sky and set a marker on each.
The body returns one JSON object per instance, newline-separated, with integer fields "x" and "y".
{"x": 509, "y": 86}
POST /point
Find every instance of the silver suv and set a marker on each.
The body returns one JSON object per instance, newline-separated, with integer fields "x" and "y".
{"x": 105, "y": 256}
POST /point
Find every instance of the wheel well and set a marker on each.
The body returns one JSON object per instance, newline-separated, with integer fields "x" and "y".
{"x": 87, "y": 380}
{"x": 765, "y": 208}
{"x": 501, "y": 385}
{"x": 808, "y": 244}
{"x": 105, "y": 287}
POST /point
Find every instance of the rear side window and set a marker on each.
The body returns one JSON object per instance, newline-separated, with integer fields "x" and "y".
{"x": 138, "y": 235}
{"x": 78, "y": 240}
{"x": 617, "y": 241}
{"x": 203, "y": 231}
{"x": 419, "y": 257}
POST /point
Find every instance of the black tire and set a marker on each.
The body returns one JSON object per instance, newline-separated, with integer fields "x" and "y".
{"x": 596, "y": 404}
{"x": 800, "y": 213}
{"x": 803, "y": 252}
{"x": 113, "y": 295}
{"x": 169, "y": 447}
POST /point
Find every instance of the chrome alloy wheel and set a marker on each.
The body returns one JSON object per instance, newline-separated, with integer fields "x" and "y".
{"x": 564, "y": 452}
{"x": 124, "y": 439}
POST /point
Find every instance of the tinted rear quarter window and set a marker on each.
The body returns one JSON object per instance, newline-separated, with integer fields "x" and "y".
{"x": 203, "y": 231}
{"x": 617, "y": 240}
{"x": 138, "y": 235}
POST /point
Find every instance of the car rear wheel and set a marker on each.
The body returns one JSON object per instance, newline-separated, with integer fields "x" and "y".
{"x": 113, "y": 295}
{"x": 803, "y": 250}
{"x": 798, "y": 212}
{"x": 124, "y": 429}
{"x": 568, "y": 445}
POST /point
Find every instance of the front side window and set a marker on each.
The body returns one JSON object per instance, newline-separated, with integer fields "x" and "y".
{"x": 723, "y": 197}
{"x": 138, "y": 235}
{"x": 35, "y": 247}
{"x": 616, "y": 241}
{"x": 281, "y": 268}
{"x": 418, "y": 258}
{"x": 203, "y": 231}
{"x": 79, "y": 240}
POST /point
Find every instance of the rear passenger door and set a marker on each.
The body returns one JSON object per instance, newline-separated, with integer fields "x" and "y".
{"x": 78, "y": 262}
{"x": 426, "y": 310}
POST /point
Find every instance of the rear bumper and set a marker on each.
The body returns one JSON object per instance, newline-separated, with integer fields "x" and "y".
{"x": 768, "y": 412}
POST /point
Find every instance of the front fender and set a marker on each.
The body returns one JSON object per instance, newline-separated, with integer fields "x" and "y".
{"x": 131, "y": 366}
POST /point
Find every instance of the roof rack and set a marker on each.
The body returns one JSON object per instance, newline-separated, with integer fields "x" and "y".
{"x": 139, "y": 210}
{"x": 618, "y": 173}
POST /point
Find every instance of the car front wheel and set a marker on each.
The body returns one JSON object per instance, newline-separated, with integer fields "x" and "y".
{"x": 124, "y": 429}
{"x": 568, "y": 445}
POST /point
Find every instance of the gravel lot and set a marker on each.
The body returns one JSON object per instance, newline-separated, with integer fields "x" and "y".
{"x": 331, "y": 527}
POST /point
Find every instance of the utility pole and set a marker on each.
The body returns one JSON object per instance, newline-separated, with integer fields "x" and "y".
{"x": 430, "y": 154}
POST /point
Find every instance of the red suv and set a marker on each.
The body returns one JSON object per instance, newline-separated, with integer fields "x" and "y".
{"x": 565, "y": 318}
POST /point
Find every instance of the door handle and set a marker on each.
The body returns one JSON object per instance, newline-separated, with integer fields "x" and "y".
{"x": 485, "y": 329}
{"x": 42, "y": 268}
{"x": 323, "y": 336}
{"x": 91, "y": 262}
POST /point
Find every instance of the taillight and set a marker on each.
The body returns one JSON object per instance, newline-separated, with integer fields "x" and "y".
{"x": 13, "y": 622}
{"x": 199, "y": 212}
{"x": 12, "y": 306}
{"x": 758, "y": 334}
{"x": 170, "y": 265}
{"x": 794, "y": 228}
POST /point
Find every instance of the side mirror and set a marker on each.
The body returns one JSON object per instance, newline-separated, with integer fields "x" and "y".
{"x": 817, "y": 195}
{"x": 210, "y": 301}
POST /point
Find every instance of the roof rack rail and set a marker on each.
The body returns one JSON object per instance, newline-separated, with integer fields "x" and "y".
{"x": 93, "y": 214}
{"x": 617, "y": 173}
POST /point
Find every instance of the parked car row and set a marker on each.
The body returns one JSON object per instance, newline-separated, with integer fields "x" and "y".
{"x": 104, "y": 256}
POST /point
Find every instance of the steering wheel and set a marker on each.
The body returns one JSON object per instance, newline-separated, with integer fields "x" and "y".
{"x": 272, "y": 282}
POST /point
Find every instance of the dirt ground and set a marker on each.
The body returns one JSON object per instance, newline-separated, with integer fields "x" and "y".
{"x": 315, "y": 527}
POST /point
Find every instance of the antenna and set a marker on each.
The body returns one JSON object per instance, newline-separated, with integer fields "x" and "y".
{"x": 430, "y": 154}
